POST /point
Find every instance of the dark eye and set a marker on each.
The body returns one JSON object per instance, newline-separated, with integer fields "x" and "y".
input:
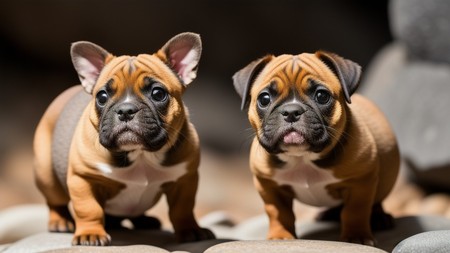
{"x": 102, "y": 98}
{"x": 322, "y": 97}
{"x": 158, "y": 94}
{"x": 264, "y": 99}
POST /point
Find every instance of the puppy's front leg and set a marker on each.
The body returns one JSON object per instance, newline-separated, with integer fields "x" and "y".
{"x": 358, "y": 196}
{"x": 88, "y": 214}
{"x": 278, "y": 203}
{"x": 181, "y": 200}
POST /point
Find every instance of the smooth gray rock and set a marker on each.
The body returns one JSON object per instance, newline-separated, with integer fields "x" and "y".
{"x": 409, "y": 81}
{"x": 428, "y": 242}
{"x": 424, "y": 26}
{"x": 415, "y": 106}
{"x": 414, "y": 97}
{"x": 291, "y": 246}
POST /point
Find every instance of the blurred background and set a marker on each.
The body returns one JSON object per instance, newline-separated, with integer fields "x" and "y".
{"x": 35, "y": 38}
{"x": 35, "y": 66}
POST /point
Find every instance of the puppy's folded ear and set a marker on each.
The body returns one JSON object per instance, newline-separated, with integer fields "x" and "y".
{"x": 348, "y": 72}
{"x": 244, "y": 78}
{"x": 182, "y": 54}
{"x": 88, "y": 60}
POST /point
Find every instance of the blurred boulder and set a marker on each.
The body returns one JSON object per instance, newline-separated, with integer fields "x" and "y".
{"x": 410, "y": 81}
{"x": 424, "y": 28}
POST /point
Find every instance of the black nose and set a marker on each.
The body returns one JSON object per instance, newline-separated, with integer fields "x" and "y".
{"x": 126, "y": 111}
{"x": 292, "y": 112}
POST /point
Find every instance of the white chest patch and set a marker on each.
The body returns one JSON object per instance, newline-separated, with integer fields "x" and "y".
{"x": 143, "y": 180}
{"x": 308, "y": 182}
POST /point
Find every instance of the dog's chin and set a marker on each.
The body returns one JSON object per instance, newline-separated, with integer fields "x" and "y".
{"x": 129, "y": 137}
{"x": 293, "y": 143}
{"x": 129, "y": 141}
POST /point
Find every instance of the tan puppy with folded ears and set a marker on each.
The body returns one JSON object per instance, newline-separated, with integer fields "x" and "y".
{"x": 316, "y": 145}
{"x": 115, "y": 147}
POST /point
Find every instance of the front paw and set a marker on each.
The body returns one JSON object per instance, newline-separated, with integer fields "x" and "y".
{"x": 196, "y": 234}
{"x": 101, "y": 239}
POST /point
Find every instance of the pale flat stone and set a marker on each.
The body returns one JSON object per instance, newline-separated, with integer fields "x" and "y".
{"x": 21, "y": 221}
{"x": 40, "y": 242}
{"x": 291, "y": 246}
{"x": 111, "y": 249}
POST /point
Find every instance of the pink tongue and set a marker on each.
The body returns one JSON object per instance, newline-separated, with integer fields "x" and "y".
{"x": 293, "y": 138}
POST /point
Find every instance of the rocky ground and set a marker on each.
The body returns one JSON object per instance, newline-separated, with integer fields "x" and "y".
{"x": 227, "y": 203}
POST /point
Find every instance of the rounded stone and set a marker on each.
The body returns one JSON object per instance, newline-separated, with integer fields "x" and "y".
{"x": 21, "y": 221}
{"x": 291, "y": 246}
{"x": 433, "y": 241}
{"x": 110, "y": 249}
{"x": 424, "y": 26}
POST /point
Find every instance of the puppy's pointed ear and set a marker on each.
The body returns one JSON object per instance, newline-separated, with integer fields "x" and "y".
{"x": 348, "y": 72}
{"x": 88, "y": 60}
{"x": 244, "y": 78}
{"x": 182, "y": 54}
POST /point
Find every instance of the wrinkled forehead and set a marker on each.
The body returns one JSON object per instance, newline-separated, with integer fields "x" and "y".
{"x": 133, "y": 72}
{"x": 295, "y": 71}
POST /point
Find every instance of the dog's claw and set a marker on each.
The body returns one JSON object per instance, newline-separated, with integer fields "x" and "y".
{"x": 92, "y": 240}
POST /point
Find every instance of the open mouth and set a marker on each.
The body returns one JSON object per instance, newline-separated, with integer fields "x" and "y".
{"x": 293, "y": 138}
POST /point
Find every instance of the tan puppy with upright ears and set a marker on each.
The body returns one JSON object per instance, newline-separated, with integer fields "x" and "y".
{"x": 316, "y": 144}
{"x": 114, "y": 147}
